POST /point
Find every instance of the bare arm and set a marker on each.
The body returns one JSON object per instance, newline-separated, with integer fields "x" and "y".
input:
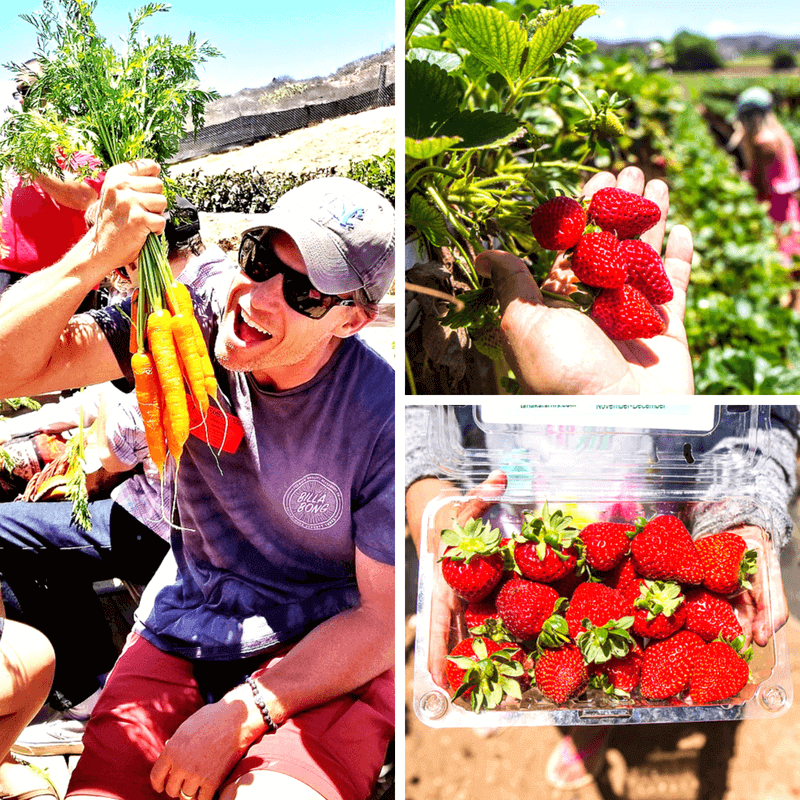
{"x": 42, "y": 346}
{"x": 70, "y": 192}
{"x": 337, "y": 657}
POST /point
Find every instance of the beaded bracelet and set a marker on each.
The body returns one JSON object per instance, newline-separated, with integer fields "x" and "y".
{"x": 261, "y": 703}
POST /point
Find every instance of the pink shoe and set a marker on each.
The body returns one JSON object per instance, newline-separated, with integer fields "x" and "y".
{"x": 569, "y": 768}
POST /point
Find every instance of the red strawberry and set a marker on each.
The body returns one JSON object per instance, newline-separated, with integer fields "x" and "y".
{"x": 658, "y": 608}
{"x": 618, "y": 676}
{"x": 646, "y": 271}
{"x": 666, "y": 665}
{"x": 625, "y": 313}
{"x": 718, "y": 672}
{"x": 558, "y": 223}
{"x": 711, "y": 615}
{"x": 598, "y": 261}
{"x": 664, "y": 551}
{"x": 605, "y": 544}
{"x": 561, "y": 674}
{"x": 472, "y": 564}
{"x": 525, "y": 606}
{"x": 478, "y": 611}
{"x": 487, "y": 672}
{"x": 727, "y": 563}
{"x": 544, "y": 549}
{"x": 598, "y": 619}
{"x": 622, "y": 213}
{"x": 622, "y": 575}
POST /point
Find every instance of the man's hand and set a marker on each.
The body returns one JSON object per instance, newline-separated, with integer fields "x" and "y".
{"x": 131, "y": 206}
{"x": 207, "y": 746}
{"x": 559, "y": 350}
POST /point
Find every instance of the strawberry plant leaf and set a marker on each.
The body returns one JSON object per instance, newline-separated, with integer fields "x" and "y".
{"x": 490, "y": 36}
{"x": 481, "y": 129}
{"x": 424, "y": 217}
{"x": 553, "y": 35}
{"x": 416, "y": 11}
{"x": 421, "y": 149}
{"x": 445, "y": 61}
{"x": 437, "y": 98}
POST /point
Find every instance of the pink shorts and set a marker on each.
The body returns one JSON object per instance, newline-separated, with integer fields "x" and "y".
{"x": 337, "y": 749}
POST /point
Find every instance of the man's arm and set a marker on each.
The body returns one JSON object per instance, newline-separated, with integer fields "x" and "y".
{"x": 337, "y": 657}
{"x": 42, "y": 346}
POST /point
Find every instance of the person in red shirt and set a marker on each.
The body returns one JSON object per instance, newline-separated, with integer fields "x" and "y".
{"x": 42, "y": 219}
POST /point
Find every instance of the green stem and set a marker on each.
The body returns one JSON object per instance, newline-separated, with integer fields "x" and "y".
{"x": 410, "y": 376}
{"x": 414, "y": 179}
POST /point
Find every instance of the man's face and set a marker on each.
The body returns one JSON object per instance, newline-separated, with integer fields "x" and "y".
{"x": 259, "y": 333}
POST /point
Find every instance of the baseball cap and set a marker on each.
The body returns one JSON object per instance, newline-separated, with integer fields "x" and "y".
{"x": 183, "y": 222}
{"x": 344, "y": 231}
{"x": 756, "y": 98}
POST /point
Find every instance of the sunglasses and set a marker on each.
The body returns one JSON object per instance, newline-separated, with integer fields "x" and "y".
{"x": 260, "y": 263}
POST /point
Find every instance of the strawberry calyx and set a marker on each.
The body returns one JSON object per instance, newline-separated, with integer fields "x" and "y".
{"x": 554, "y": 530}
{"x": 475, "y": 538}
{"x": 491, "y": 678}
{"x": 599, "y": 643}
{"x": 748, "y": 567}
{"x": 659, "y": 597}
{"x": 555, "y": 631}
{"x": 602, "y": 682}
{"x": 492, "y": 628}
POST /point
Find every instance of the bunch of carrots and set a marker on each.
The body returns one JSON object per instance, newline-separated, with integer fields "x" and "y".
{"x": 169, "y": 359}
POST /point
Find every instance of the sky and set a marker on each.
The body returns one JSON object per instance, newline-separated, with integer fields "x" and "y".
{"x": 260, "y": 40}
{"x": 633, "y": 19}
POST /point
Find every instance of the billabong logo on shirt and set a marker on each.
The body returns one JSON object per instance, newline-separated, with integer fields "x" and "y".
{"x": 313, "y": 502}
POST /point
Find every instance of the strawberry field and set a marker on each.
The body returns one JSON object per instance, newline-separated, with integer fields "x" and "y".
{"x": 511, "y": 106}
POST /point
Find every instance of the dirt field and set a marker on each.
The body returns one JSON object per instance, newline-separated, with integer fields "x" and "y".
{"x": 335, "y": 142}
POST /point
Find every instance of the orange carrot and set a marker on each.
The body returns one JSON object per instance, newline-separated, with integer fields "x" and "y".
{"x": 148, "y": 393}
{"x": 183, "y": 334}
{"x": 176, "y": 411}
{"x": 183, "y": 302}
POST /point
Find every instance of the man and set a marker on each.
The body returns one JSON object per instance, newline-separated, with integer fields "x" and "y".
{"x": 283, "y": 570}
{"x": 50, "y": 562}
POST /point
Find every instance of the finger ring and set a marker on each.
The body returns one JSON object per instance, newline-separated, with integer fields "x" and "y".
{"x": 186, "y": 796}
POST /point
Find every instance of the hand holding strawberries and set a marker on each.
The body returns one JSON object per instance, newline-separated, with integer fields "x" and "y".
{"x": 556, "y": 349}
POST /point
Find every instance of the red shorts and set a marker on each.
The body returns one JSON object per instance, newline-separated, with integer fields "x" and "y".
{"x": 337, "y": 749}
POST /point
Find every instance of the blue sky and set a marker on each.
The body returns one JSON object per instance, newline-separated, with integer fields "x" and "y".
{"x": 634, "y": 19}
{"x": 260, "y": 40}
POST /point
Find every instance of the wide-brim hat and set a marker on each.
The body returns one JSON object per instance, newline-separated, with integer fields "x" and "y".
{"x": 344, "y": 231}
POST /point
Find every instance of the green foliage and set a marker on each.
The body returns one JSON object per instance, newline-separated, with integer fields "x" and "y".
{"x": 252, "y": 191}
{"x": 695, "y": 53}
{"x": 117, "y": 105}
{"x": 783, "y": 58}
{"x": 742, "y": 339}
{"x": 493, "y": 119}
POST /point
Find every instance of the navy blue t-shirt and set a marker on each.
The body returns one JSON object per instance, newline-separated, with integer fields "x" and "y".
{"x": 268, "y": 534}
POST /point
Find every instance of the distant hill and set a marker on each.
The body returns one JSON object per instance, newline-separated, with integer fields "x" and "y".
{"x": 286, "y": 92}
{"x": 730, "y": 48}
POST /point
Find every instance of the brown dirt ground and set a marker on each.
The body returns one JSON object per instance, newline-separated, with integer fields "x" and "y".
{"x": 333, "y": 143}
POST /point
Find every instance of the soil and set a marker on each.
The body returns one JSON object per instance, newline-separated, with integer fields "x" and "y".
{"x": 334, "y": 142}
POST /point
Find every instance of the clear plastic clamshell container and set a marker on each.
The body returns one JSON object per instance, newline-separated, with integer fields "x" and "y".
{"x": 611, "y": 462}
